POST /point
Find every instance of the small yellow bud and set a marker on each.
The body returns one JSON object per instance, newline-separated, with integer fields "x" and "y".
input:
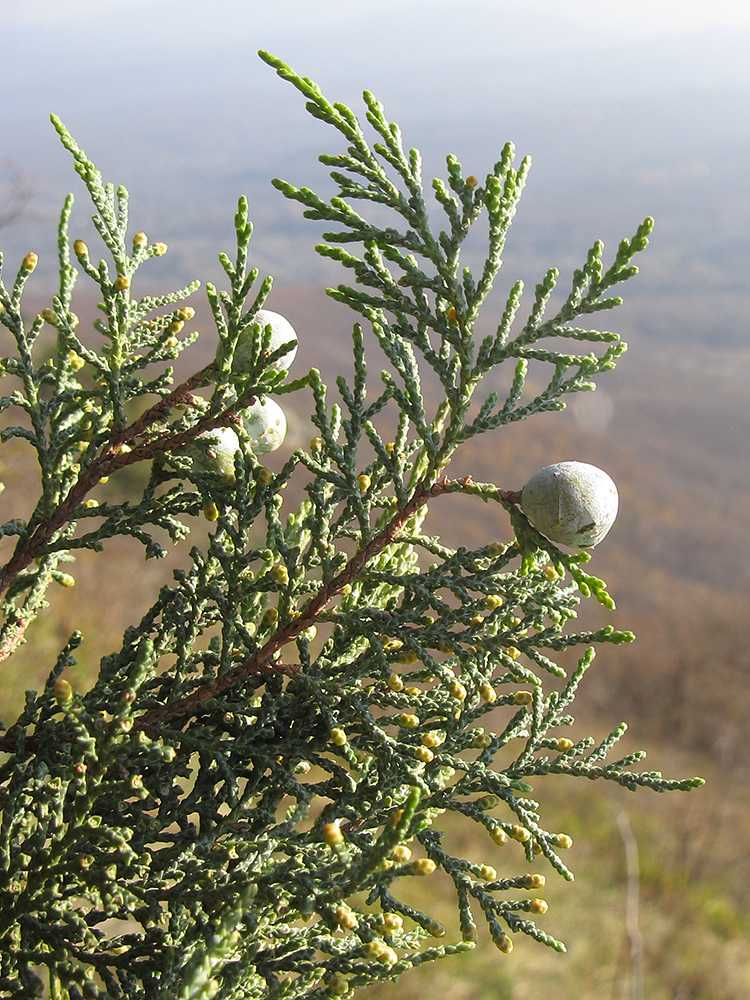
{"x": 550, "y": 572}
{"x": 280, "y": 574}
{"x": 488, "y": 873}
{"x": 364, "y": 482}
{"x": 471, "y": 181}
{"x": 523, "y": 698}
{"x": 332, "y": 834}
{"x": 65, "y": 580}
{"x": 30, "y": 262}
{"x": 211, "y": 512}
{"x": 186, "y": 313}
{"x": 337, "y": 985}
{"x": 316, "y": 444}
{"x": 160, "y": 249}
{"x": 140, "y": 240}
{"x": 433, "y": 739}
{"x": 176, "y": 326}
{"x": 504, "y": 944}
{"x": 520, "y": 833}
{"x": 435, "y": 928}
{"x": 264, "y": 476}
{"x": 392, "y": 922}
{"x": 488, "y": 802}
{"x": 122, "y": 283}
{"x": 496, "y": 548}
{"x": 408, "y": 721}
{"x": 392, "y": 644}
{"x": 457, "y": 690}
{"x": 538, "y": 906}
{"x": 564, "y": 744}
{"x": 374, "y": 949}
{"x": 80, "y": 249}
{"x": 488, "y": 693}
{"x": 345, "y": 918}
{"x": 49, "y": 316}
{"x": 423, "y": 754}
{"x": 270, "y": 616}
{"x": 512, "y": 652}
{"x": 380, "y": 952}
{"x": 394, "y": 683}
{"x": 338, "y": 737}
{"x": 563, "y": 841}
{"x": 499, "y": 836}
{"x": 423, "y": 866}
{"x": 90, "y": 504}
{"x": 75, "y": 361}
{"x": 401, "y": 854}
{"x": 534, "y": 881}
{"x": 492, "y": 601}
{"x": 63, "y": 691}
{"x": 413, "y": 692}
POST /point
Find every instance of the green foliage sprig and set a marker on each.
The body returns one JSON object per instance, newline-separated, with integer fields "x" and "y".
{"x": 240, "y": 804}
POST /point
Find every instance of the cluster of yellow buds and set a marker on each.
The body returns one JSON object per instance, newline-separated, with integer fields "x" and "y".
{"x": 391, "y": 923}
{"x": 378, "y": 951}
{"x": 408, "y": 721}
{"x": 345, "y": 918}
{"x": 423, "y": 866}
{"x": 401, "y": 853}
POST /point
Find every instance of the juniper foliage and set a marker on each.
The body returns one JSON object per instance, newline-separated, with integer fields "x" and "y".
{"x": 243, "y": 801}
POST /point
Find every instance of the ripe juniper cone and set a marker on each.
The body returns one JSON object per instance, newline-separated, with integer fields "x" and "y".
{"x": 213, "y": 453}
{"x": 265, "y": 423}
{"x": 571, "y": 502}
{"x": 281, "y": 333}
{"x": 264, "y": 420}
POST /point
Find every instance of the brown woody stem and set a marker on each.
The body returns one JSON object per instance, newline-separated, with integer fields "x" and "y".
{"x": 110, "y": 460}
{"x": 263, "y": 660}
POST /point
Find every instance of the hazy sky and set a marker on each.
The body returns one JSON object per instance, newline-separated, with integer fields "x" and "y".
{"x": 169, "y": 98}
